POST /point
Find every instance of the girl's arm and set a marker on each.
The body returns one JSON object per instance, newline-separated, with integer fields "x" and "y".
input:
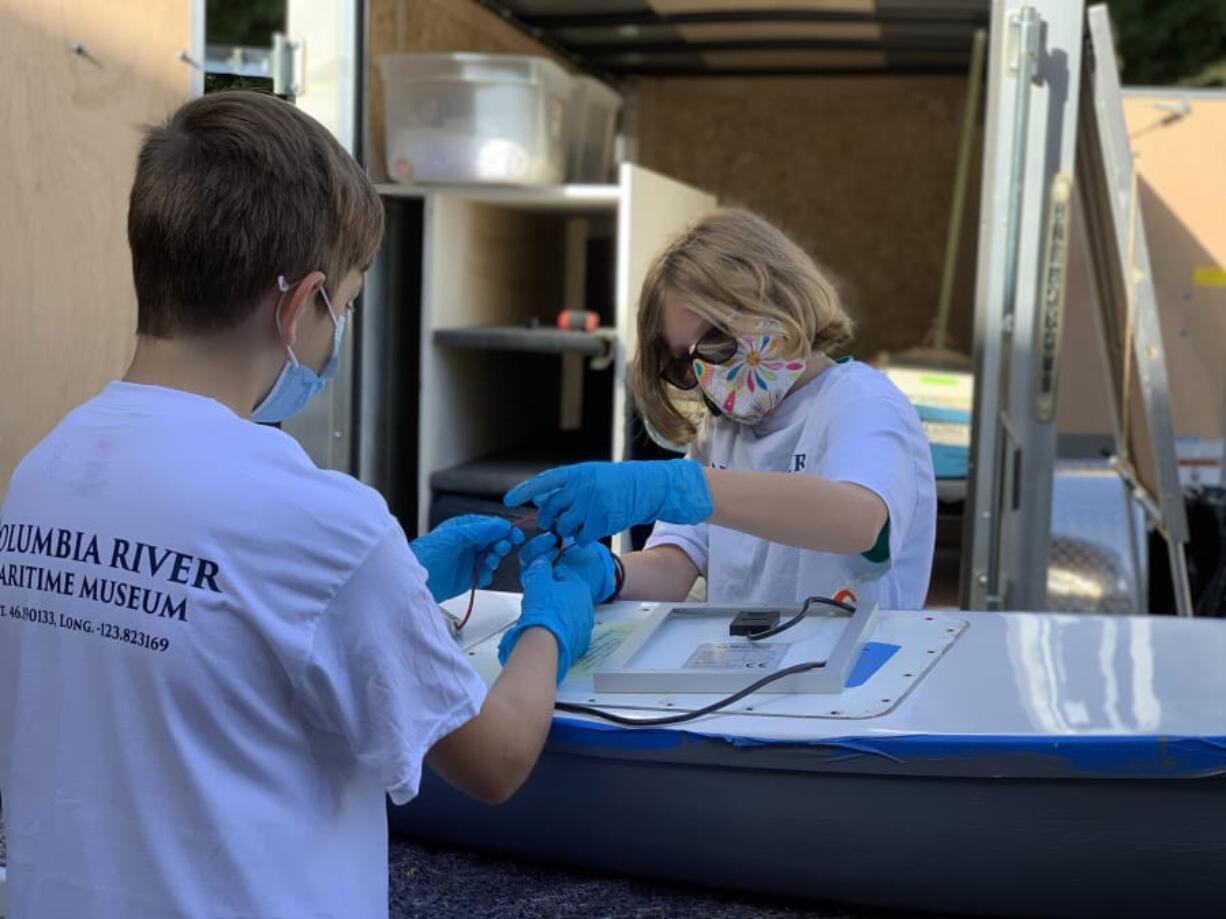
{"x": 662, "y": 573}
{"x": 591, "y": 500}
{"x": 796, "y": 510}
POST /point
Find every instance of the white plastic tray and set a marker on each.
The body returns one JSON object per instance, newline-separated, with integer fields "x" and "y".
{"x": 687, "y": 648}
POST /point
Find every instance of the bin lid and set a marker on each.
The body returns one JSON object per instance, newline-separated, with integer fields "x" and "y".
{"x": 471, "y": 67}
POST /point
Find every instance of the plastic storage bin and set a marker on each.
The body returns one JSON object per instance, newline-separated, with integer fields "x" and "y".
{"x": 593, "y": 120}
{"x": 497, "y": 118}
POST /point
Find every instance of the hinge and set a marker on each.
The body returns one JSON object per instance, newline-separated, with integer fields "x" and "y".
{"x": 282, "y": 63}
{"x": 287, "y": 65}
{"x": 1022, "y": 44}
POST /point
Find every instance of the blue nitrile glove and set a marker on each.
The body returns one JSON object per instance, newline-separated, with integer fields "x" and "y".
{"x": 449, "y": 552}
{"x": 555, "y": 598}
{"x": 594, "y": 563}
{"x": 592, "y": 500}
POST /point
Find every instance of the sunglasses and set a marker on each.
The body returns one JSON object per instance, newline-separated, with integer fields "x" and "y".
{"x": 715, "y": 347}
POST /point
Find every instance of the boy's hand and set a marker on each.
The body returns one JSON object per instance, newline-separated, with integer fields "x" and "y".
{"x": 593, "y": 564}
{"x": 449, "y": 553}
{"x": 558, "y": 600}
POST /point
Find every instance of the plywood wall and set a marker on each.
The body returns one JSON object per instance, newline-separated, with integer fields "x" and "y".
{"x": 1180, "y": 156}
{"x": 432, "y": 25}
{"x": 1181, "y": 160}
{"x": 68, "y": 142}
{"x": 859, "y": 170}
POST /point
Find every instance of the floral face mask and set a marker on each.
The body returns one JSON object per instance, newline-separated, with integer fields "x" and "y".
{"x": 751, "y": 384}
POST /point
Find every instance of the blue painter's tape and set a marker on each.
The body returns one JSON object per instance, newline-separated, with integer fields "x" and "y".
{"x": 872, "y": 659}
{"x": 1118, "y": 757}
{"x": 1122, "y": 757}
{"x": 575, "y": 732}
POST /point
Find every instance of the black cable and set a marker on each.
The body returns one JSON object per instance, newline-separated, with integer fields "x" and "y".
{"x": 804, "y": 611}
{"x": 697, "y": 713}
{"x": 715, "y": 706}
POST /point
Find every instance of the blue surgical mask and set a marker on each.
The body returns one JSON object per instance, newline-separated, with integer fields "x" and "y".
{"x": 298, "y": 383}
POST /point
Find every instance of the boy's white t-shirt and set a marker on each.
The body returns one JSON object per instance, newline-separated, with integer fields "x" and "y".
{"x": 215, "y": 660}
{"x": 847, "y": 424}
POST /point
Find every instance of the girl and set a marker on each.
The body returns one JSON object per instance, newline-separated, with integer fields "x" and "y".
{"x": 808, "y": 476}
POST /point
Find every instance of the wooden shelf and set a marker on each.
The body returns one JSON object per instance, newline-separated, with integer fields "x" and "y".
{"x": 495, "y": 475}
{"x": 561, "y": 199}
{"x": 494, "y": 258}
{"x": 488, "y": 478}
{"x": 541, "y": 340}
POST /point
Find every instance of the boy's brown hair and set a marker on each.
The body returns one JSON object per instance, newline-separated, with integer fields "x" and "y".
{"x": 233, "y": 190}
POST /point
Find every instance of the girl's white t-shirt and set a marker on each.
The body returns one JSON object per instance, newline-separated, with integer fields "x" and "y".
{"x": 847, "y": 424}
{"x": 216, "y": 661}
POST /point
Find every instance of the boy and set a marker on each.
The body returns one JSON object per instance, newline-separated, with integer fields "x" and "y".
{"x": 216, "y": 658}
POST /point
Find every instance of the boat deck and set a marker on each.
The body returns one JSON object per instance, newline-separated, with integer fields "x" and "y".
{"x": 1034, "y": 694}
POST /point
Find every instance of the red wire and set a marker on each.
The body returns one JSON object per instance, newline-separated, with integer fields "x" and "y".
{"x": 522, "y": 523}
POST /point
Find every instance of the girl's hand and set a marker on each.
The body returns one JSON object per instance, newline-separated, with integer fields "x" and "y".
{"x": 589, "y": 501}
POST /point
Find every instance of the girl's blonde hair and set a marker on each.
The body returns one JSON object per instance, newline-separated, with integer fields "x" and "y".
{"x": 733, "y": 269}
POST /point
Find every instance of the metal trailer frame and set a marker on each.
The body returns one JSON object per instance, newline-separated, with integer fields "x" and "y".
{"x": 1123, "y": 280}
{"x": 1029, "y": 140}
{"x": 321, "y": 67}
{"x": 1042, "y": 127}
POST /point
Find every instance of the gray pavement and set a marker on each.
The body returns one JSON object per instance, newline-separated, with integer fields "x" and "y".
{"x": 429, "y": 882}
{"x": 425, "y": 881}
